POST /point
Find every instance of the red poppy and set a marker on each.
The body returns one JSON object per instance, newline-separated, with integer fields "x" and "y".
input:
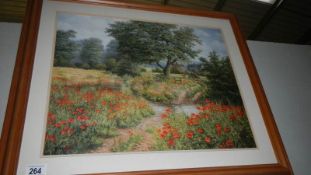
{"x": 206, "y": 108}
{"x": 193, "y": 120}
{"x": 80, "y": 110}
{"x": 57, "y": 125}
{"x": 63, "y": 132}
{"x": 200, "y": 108}
{"x": 164, "y": 115}
{"x": 207, "y": 139}
{"x": 164, "y": 133}
{"x": 82, "y": 118}
{"x": 229, "y": 143}
{"x": 51, "y": 137}
{"x": 218, "y": 129}
{"x": 104, "y": 103}
{"x": 83, "y": 127}
{"x": 89, "y": 96}
{"x": 176, "y": 135}
{"x": 51, "y": 116}
{"x": 62, "y": 122}
{"x": 71, "y": 120}
{"x": 190, "y": 134}
{"x": 166, "y": 125}
{"x": 232, "y": 117}
{"x": 171, "y": 142}
{"x": 200, "y": 130}
{"x": 64, "y": 101}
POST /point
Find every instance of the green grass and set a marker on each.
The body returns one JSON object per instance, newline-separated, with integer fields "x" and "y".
{"x": 156, "y": 88}
{"x": 128, "y": 145}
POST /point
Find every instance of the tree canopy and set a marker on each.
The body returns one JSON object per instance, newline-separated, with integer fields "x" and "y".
{"x": 91, "y": 52}
{"x": 154, "y": 43}
{"x": 65, "y": 47}
{"x": 221, "y": 82}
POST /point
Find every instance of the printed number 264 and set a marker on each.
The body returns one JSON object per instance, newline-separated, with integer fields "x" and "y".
{"x": 35, "y": 171}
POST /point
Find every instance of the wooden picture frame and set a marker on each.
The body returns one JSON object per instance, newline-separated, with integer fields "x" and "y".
{"x": 17, "y": 109}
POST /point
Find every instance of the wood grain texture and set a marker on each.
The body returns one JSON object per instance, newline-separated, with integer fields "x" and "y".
{"x": 236, "y": 170}
{"x": 267, "y": 115}
{"x": 12, "y": 10}
{"x": 17, "y": 104}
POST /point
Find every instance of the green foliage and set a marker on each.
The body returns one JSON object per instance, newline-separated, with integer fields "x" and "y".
{"x": 164, "y": 90}
{"x": 111, "y": 65}
{"x": 221, "y": 84}
{"x": 126, "y": 67}
{"x": 91, "y": 53}
{"x": 122, "y": 67}
{"x": 157, "y": 70}
{"x": 161, "y": 44}
{"x": 65, "y": 48}
{"x": 111, "y": 50}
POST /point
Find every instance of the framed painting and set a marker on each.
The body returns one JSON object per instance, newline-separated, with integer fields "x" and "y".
{"x": 111, "y": 87}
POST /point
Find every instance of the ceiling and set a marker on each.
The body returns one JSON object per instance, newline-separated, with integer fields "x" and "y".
{"x": 285, "y": 21}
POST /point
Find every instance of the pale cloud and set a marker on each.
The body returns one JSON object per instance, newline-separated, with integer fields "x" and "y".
{"x": 86, "y": 26}
{"x": 211, "y": 40}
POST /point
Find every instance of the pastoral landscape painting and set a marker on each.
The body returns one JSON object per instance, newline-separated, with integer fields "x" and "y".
{"x": 121, "y": 85}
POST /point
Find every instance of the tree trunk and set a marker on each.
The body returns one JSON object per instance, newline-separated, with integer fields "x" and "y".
{"x": 167, "y": 70}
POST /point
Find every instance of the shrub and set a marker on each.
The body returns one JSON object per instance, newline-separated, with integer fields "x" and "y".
{"x": 157, "y": 89}
{"x": 220, "y": 80}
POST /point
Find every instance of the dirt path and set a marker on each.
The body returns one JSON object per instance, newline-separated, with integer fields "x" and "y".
{"x": 142, "y": 130}
{"x": 124, "y": 134}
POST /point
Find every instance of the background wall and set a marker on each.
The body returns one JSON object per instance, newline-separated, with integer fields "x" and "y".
{"x": 9, "y": 37}
{"x": 284, "y": 71}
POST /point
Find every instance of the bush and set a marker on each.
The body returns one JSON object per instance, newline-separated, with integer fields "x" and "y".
{"x": 157, "y": 70}
{"x": 221, "y": 84}
{"x": 157, "y": 89}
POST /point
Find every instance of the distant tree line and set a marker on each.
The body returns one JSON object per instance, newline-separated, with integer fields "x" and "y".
{"x": 87, "y": 53}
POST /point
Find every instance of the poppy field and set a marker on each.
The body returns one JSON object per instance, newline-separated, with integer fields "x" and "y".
{"x": 121, "y": 85}
{"x": 92, "y": 111}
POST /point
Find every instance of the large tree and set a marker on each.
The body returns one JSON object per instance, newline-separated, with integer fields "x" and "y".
{"x": 65, "y": 48}
{"x": 91, "y": 52}
{"x": 155, "y": 43}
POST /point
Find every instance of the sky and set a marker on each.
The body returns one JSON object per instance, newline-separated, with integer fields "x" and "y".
{"x": 94, "y": 26}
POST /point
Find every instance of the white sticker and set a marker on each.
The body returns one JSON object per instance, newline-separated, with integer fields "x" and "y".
{"x": 36, "y": 170}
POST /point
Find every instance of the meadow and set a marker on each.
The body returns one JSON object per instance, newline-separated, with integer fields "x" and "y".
{"x": 94, "y": 111}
